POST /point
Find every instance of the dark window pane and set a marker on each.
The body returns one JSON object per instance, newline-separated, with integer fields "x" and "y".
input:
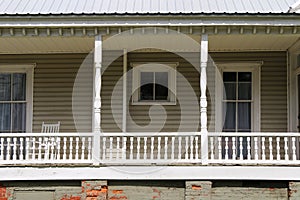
{"x": 19, "y": 117}
{"x": 5, "y": 87}
{"x": 244, "y": 119}
{"x": 229, "y": 76}
{"x": 245, "y": 91}
{"x": 245, "y": 76}
{"x": 161, "y": 85}
{"x": 19, "y": 87}
{"x": 229, "y": 113}
{"x": 230, "y": 91}
{"x": 5, "y": 117}
{"x": 147, "y": 84}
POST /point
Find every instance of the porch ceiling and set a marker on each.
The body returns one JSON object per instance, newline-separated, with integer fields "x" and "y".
{"x": 41, "y": 45}
{"x": 37, "y": 45}
{"x": 251, "y": 42}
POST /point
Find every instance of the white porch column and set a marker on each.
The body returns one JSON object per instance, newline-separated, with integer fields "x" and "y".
{"x": 203, "y": 100}
{"x": 124, "y": 116}
{"x": 97, "y": 98}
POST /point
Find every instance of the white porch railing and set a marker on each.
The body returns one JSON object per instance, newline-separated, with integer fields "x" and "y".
{"x": 149, "y": 148}
{"x": 254, "y": 148}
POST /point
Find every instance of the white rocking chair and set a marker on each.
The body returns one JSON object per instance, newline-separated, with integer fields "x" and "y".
{"x": 50, "y": 128}
{"x": 48, "y": 144}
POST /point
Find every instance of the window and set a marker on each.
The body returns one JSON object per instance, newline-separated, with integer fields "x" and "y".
{"x": 15, "y": 99}
{"x": 154, "y": 83}
{"x": 237, "y": 101}
{"x": 238, "y": 97}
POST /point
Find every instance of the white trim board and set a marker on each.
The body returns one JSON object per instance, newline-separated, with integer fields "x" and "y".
{"x": 255, "y": 68}
{"x": 152, "y": 173}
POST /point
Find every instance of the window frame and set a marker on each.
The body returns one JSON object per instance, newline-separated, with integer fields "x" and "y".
{"x": 154, "y": 67}
{"x": 255, "y": 68}
{"x": 28, "y": 69}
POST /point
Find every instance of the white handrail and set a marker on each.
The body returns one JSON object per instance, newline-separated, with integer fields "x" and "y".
{"x": 254, "y": 134}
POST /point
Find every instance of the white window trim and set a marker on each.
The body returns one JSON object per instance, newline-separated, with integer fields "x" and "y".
{"x": 255, "y": 68}
{"x": 29, "y": 70}
{"x": 154, "y": 67}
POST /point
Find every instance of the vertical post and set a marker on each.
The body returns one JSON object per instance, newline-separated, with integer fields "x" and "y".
{"x": 124, "y": 116}
{"x": 97, "y": 99}
{"x": 203, "y": 100}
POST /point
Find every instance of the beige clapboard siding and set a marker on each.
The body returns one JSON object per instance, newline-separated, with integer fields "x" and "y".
{"x": 273, "y": 86}
{"x": 111, "y": 73}
{"x": 54, "y": 77}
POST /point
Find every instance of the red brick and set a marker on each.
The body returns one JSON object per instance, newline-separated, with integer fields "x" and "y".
{"x": 93, "y": 193}
{"x": 91, "y": 198}
{"x": 117, "y": 191}
{"x": 3, "y": 198}
{"x": 196, "y": 187}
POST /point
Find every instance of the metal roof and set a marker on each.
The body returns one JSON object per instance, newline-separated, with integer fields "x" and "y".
{"x": 61, "y": 7}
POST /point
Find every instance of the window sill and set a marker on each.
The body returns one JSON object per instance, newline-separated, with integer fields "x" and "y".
{"x": 163, "y": 103}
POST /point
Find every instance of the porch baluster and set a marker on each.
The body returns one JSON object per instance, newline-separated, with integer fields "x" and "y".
{"x": 52, "y": 148}
{"x": 131, "y": 148}
{"x": 286, "y": 148}
{"x": 65, "y": 149}
{"x": 145, "y": 148}
{"x": 212, "y": 156}
{"x": 220, "y": 148}
{"x": 15, "y": 148}
{"x": 166, "y": 148}
{"x": 233, "y": 148}
{"x": 46, "y": 156}
{"x": 294, "y": 148}
{"x": 89, "y": 148}
{"x": 192, "y": 147}
{"x": 278, "y": 148}
{"x": 111, "y": 140}
{"x": 118, "y": 148}
{"x": 77, "y": 148}
{"x": 241, "y": 149}
{"x": 71, "y": 149}
{"x": 33, "y": 148}
{"x": 138, "y": 147}
{"x": 82, "y": 148}
{"x": 2, "y": 149}
{"x": 152, "y": 148}
{"x": 173, "y": 148}
{"x": 226, "y": 148}
{"x": 8, "y": 149}
{"x": 39, "y": 148}
{"x": 158, "y": 147}
{"x": 248, "y": 149}
{"x": 27, "y": 147}
{"x": 271, "y": 148}
{"x": 179, "y": 148}
{"x": 186, "y": 148}
{"x": 58, "y": 148}
{"x": 196, "y": 148}
{"x": 103, "y": 148}
{"x": 263, "y": 148}
{"x": 21, "y": 156}
{"x": 255, "y": 148}
{"x": 124, "y": 148}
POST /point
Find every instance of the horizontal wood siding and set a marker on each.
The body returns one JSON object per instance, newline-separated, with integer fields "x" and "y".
{"x": 54, "y": 77}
